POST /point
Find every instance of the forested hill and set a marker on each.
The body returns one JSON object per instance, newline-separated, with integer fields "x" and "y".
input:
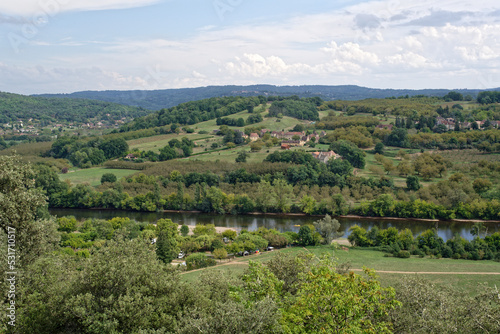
{"x": 166, "y": 98}
{"x": 14, "y": 107}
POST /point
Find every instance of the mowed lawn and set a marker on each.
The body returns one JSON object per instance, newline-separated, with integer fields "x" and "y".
{"x": 93, "y": 176}
{"x": 359, "y": 258}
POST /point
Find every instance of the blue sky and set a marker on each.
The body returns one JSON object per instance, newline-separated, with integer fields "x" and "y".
{"x": 62, "y": 46}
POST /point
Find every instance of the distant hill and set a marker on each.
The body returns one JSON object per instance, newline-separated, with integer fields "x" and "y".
{"x": 165, "y": 98}
{"x": 15, "y": 106}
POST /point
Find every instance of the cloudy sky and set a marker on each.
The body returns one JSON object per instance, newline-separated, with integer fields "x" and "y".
{"x": 62, "y": 46}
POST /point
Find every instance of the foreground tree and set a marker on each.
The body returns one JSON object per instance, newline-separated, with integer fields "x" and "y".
{"x": 429, "y": 308}
{"x": 329, "y": 302}
{"x": 121, "y": 288}
{"x": 22, "y": 209}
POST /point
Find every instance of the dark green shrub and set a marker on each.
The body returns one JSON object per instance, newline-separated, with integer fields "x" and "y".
{"x": 199, "y": 260}
{"x": 108, "y": 177}
{"x": 404, "y": 254}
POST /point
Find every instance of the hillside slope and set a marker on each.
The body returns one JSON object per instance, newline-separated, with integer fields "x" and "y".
{"x": 14, "y": 107}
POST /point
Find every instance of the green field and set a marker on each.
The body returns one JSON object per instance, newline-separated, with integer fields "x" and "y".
{"x": 93, "y": 176}
{"x": 359, "y": 257}
{"x": 155, "y": 143}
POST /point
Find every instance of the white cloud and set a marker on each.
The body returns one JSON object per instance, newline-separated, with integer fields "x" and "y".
{"x": 379, "y": 43}
{"x": 411, "y": 59}
{"x": 350, "y": 52}
{"x": 29, "y": 8}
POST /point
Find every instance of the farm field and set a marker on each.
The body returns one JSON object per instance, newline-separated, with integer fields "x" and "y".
{"x": 93, "y": 175}
{"x": 359, "y": 257}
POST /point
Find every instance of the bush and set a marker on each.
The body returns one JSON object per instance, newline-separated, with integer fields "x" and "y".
{"x": 404, "y": 254}
{"x": 67, "y": 224}
{"x": 184, "y": 230}
{"x": 199, "y": 260}
{"x": 108, "y": 177}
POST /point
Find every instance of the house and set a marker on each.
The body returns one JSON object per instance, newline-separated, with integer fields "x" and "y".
{"x": 293, "y": 142}
{"x": 277, "y": 134}
{"x": 290, "y": 135}
{"x": 385, "y": 126}
{"x": 466, "y": 125}
{"x": 254, "y": 136}
{"x": 311, "y": 136}
{"x": 130, "y": 156}
{"x": 325, "y": 156}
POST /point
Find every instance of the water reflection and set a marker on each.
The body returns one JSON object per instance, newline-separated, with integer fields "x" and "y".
{"x": 446, "y": 230}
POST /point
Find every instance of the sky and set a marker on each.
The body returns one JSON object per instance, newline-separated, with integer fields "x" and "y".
{"x": 63, "y": 46}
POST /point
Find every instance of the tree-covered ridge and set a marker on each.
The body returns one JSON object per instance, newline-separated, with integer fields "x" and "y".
{"x": 195, "y": 112}
{"x": 166, "y": 98}
{"x": 216, "y": 108}
{"x": 304, "y": 109}
{"x": 14, "y": 107}
{"x": 405, "y": 106}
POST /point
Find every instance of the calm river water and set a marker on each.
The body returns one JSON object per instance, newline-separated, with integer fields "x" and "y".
{"x": 446, "y": 230}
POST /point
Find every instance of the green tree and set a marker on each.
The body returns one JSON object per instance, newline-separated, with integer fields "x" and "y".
{"x": 266, "y": 197}
{"x": 240, "y": 122}
{"x": 412, "y": 182}
{"x": 115, "y": 147}
{"x": 329, "y": 302}
{"x": 22, "y": 207}
{"x": 220, "y": 253}
{"x": 284, "y": 194}
{"x": 306, "y": 236}
{"x": 166, "y": 246}
{"x": 379, "y": 148}
{"x": 242, "y": 156}
{"x": 350, "y": 152}
{"x": 108, "y": 177}
{"x": 307, "y": 204}
{"x": 328, "y": 228}
{"x": 184, "y": 230}
{"x": 121, "y": 288}
{"x": 67, "y": 224}
{"x": 481, "y": 185}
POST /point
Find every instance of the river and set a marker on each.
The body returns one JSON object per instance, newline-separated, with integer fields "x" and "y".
{"x": 446, "y": 230}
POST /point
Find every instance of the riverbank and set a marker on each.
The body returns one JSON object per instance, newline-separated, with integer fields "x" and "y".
{"x": 280, "y": 222}
{"x": 299, "y": 214}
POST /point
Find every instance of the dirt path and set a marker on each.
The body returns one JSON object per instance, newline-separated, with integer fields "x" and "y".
{"x": 431, "y": 272}
{"x": 232, "y": 262}
{"x": 360, "y": 270}
{"x": 376, "y": 271}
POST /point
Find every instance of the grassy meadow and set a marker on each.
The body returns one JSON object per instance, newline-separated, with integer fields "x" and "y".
{"x": 93, "y": 176}
{"x": 360, "y": 257}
